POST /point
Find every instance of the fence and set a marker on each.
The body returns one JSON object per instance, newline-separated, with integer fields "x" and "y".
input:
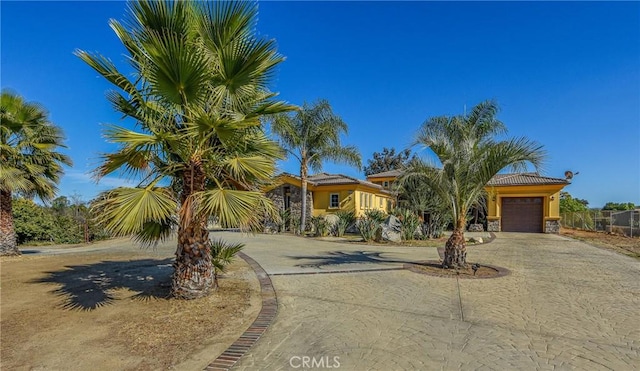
{"x": 620, "y": 222}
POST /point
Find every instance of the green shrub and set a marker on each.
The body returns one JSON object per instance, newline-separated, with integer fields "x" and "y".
{"x": 409, "y": 222}
{"x": 345, "y": 220}
{"x": 284, "y": 219}
{"x": 320, "y": 226}
{"x": 370, "y": 225}
{"x": 222, "y": 254}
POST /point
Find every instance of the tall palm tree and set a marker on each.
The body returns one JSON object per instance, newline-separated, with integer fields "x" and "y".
{"x": 29, "y": 161}
{"x": 468, "y": 156}
{"x": 312, "y": 136}
{"x": 197, "y": 96}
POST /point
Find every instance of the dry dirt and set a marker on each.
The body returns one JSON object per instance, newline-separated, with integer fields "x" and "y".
{"x": 629, "y": 246}
{"x": 109, "y": 309}
{"x": 434, "y": 268}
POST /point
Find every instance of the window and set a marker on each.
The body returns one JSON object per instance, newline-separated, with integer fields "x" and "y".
{"x": 385, "y": 184}
{"x": 361, "y": 200}
{"x": 380, "y": 202}
{"x": 334, "y": 201}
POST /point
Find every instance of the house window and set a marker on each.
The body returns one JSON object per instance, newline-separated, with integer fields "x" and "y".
{"x": 334, "y": 201}
{"x": 385, "y": 184}
{"x": 380, "y": 202}
{"x": 361, "y": 200}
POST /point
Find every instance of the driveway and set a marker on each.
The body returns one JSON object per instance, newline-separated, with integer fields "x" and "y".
{"x": 565, "y": 305}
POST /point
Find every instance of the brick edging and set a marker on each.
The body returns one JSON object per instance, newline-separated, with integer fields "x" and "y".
{"x": 232, "y": 355}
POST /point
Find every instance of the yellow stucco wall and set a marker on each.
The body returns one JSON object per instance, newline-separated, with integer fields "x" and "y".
{"x": 381, "y": 180}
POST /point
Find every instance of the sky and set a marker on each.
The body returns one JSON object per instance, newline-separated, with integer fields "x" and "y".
{"x": 565, "y": 74}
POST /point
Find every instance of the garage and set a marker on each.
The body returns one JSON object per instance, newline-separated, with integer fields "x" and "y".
{"x": 522, "y": 214}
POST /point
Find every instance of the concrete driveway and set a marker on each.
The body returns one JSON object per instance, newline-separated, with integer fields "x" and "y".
{"x": 565, "y": 305}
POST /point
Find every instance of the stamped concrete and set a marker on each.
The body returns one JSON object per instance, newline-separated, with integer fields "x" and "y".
{"x": 565, "y": 305}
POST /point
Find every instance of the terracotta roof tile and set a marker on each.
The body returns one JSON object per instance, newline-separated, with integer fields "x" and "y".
{"x": 386, "y": 174}
{"x": 524, "y": 179}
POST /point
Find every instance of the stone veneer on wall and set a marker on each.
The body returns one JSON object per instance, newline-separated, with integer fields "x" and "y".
{"x": 552, "y": 226}
{"x": 493, "y": 225}
{"x": 277, "y": 196}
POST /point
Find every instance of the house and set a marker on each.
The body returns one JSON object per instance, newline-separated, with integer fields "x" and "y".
{"x": 328, "y": 193}
{"x": 522, "y": 202}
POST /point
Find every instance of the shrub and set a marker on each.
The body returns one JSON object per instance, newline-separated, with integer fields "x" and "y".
{"x": 409, "y": 222}
{"x": 345, "y": 220}
{"x": 222, "y": 254}
{"x": 320, "y": 225}
{"x": 284, "y": 218}
{"x": 377, "y": 215}
{"x": 370, "y": 225}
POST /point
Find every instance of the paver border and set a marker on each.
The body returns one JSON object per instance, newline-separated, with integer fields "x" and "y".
{"x": 241, "y": 346}
{"x": 412, "y": 268}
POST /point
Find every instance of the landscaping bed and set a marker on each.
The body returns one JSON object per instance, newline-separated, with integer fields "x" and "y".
{"x": 111, "y": 310}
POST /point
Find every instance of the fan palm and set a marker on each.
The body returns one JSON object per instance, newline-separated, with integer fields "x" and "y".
{"x": 312, "y": 136}
{"x": 29, "y": 161}
{"x": 197, "y": 96}
{"x": 468, "y": 156}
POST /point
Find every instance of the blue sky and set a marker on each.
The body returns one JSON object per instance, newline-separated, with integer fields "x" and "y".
{"x": 566, "y": 74}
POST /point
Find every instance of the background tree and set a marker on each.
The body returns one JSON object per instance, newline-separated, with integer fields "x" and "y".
{"x": 570, "y": 204}
{"x": 619, "y": 206}
{"x": 30, "y": 163}
{"x": 415, "y": 193}
{"x": 197, "y": 96}
{"x": 468, "y": 156}
{"x": 312, "y": 135}
{"x": 387, "y": 160}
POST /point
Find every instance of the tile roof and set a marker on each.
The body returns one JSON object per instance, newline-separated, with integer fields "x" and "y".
{"x": 386, "y": 174}
{"x": 331, "y": 179}
{"x": 524, "y": 179}
{"x": 336, "y": 179}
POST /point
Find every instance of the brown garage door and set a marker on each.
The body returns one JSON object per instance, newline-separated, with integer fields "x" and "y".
{"x": 522, "y": 214}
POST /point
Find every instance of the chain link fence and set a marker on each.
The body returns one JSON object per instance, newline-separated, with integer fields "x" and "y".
{"x": 620, "y": 222}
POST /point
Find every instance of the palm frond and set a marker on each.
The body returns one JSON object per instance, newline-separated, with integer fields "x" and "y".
{"x": 137, "y": 211}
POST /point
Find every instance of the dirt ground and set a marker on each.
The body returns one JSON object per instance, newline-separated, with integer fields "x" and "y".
{"x": 629, "y": 246}
{"x": 109, "y": 309}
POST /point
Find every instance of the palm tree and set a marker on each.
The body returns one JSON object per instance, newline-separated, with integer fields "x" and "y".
{"x": 29, "y": 161}
{"x": 197, "y": 96}
{"x": 312, "y": 136}
{"x": 468, "y": 156}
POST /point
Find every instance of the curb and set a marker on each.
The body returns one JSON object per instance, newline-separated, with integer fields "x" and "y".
{"x": 232, "y": 355}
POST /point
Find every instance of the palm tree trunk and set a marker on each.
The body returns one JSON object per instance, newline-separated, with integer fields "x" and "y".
{"x": 8, "y": 243}
{"x": 193, "y": 275}
{"x": 455, "y": 251}
{"x": 303, "y": 201}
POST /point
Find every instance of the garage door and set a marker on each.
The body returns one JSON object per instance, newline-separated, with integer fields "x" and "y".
{"x": 522, "y": 214}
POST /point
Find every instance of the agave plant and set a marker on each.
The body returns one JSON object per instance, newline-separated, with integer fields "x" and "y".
{"x": 320, "y": 225}
{"x": 409, "y": 222}
{"x": 346, "y": 219}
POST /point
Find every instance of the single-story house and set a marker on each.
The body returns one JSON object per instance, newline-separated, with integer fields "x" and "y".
{"x": 521, "y": 202}
{"x": 328, "y": 193}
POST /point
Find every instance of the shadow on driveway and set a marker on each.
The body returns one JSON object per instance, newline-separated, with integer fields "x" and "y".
{"x": 90, "y": 286}
{"x": 334, "y": 258}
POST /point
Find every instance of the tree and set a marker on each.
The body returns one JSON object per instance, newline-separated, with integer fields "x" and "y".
{"x": 619, "y": 206}
{"x": 468, "y": 156}
{"x": 312, "y": 136}
{"x": 569, "y": 204}
{"x": 387, "y": 160}
{"x": 30, "y": 163}
{"x": 197, "y": 95}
